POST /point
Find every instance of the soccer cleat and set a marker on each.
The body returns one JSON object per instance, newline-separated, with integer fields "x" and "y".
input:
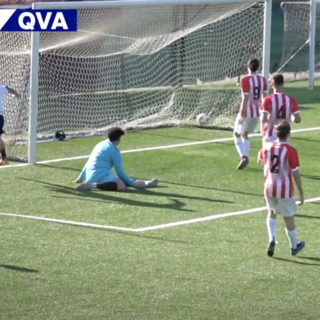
{"x": 300, "y": 246}
{"x": 152, "y": 183}
{"x": 243, "y": 163}
{"x": 84, "y": 186}
{"x": 270, "y": 248}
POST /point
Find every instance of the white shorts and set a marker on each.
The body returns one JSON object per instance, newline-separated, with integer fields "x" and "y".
{"x": 286, "y": 207}
{"x": 246, "y": 125}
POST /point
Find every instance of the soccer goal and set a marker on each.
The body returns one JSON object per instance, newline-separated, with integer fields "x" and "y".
{"x": 301, "y": 41}
{"x": 139, "y": 64}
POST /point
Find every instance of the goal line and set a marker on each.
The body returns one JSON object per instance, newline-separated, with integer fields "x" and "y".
{"x": 186, "y": 144}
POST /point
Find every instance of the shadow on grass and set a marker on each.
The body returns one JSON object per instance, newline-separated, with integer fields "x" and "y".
{"x": 16, "y": 268}
{"x": 308, "y": 217}
{"x": 109, "y": 196}
{"x": 212, "y": 188}
{"x": 310, "y": 176}
{"x": 310, "y": 258}
{"x": 297, "y": 262}
{"x": 306, "y": 139}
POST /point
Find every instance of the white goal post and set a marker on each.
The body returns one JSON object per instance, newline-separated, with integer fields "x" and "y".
{"x": 301, "y": 43}
{"x": 139, "y": 63}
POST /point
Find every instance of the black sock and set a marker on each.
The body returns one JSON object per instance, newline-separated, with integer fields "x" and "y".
{"x": 107, "y": 186}
{"x": 3, "y": 154}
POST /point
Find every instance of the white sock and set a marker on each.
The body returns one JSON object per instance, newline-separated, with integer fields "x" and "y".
{"x": 292, "y": 236}
{"x": 239, "y": 146}
{"x": 94, "y": 185}
{"x": 246, "y": 146}
{"x": 271, "y": 226}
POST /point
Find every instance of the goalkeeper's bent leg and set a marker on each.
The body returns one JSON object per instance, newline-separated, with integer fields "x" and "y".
{"x": 143, "y": 184}
{"x": 116, "y": 185}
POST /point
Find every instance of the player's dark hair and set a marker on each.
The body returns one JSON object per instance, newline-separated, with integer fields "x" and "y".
{"x": 278, "y": 79}
{"x": 283, "y": 129}
{"x": 115, "y": 133}
{"x": 253, "y": 65}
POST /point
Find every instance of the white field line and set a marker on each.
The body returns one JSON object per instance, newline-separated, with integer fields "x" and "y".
{"x": 70, "y": 223}
{"x": 186, "y": 144}
{"x": 161, "y": 226}
{"x": 214, "y": 217}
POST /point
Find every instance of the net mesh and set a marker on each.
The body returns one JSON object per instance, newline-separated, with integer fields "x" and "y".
{"x": 295, "y": 52}
{"x": 138, "y": 66}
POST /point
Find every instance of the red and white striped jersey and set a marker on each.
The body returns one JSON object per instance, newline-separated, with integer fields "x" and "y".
{"x": 279, "y": 106}
{"x": 254, "y": 86}
{"x": 280, "y": 160}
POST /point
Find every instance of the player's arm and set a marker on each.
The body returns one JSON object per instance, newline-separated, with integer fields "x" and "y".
{"x": 117, "y": 162}
{"x": 245, "y": 90}
{"x": 261, "y": 156}
{"x": 264, "y": 113}
{"x": 294, "y": 165}
{"x": 295, "y": 117}
{"x": 12, "y": 91}
{"x": 265, "y": 89}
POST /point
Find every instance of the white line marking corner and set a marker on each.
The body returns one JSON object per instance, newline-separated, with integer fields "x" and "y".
{"x": 157, "y": 227}
{"x": 213, "y": 217}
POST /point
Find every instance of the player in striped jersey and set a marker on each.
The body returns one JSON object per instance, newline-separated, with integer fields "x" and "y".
{"x": 276, "y": 107}
{"x": 253, "y": 89}
{"x": 281, "y": 163}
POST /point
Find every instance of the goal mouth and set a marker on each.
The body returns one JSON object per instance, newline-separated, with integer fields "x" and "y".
{"x": 141, "y": 65}
{"x": 300, "y": 56}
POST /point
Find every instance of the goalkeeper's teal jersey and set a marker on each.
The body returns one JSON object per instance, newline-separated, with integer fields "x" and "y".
{"x": 103, "y": 158}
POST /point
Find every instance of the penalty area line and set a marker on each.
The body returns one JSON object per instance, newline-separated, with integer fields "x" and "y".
{"x": 214, "y": 217}
{"x": 67, "y": 222}
{"x": 157, "y": 227}
{"x": 186, "y": 144}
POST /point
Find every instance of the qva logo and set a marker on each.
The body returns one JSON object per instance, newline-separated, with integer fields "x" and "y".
{"x": 38, "y": 20}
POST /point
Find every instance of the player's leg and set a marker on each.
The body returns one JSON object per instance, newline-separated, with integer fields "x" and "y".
{"x": 107, "y": 182}
{"x": 238, "y": 130}
{"x": 144, "y": 184}
{"x": 288, "y": 209}
{"x": 249, "y": 127}
{"x": 111, "y": 182}
{"x": 2, "y": 145}
{"x": 271, "y": 224}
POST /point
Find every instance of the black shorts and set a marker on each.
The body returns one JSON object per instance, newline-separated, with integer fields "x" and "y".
{"x": 1, "y": 124}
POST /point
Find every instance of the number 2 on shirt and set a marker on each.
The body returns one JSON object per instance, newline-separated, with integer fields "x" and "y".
{"x": 275, "y": 164}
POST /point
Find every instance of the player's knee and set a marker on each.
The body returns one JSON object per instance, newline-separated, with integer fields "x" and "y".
{"x": 245, "y": 135}
{"x": 272, "y": 214}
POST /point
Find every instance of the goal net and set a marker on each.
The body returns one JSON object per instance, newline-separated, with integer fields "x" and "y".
{"x": 139, "y": 66}
{"x": 295, "y": 52}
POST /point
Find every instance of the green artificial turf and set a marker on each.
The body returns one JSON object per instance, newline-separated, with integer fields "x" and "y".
{"x": 207, "y": 270}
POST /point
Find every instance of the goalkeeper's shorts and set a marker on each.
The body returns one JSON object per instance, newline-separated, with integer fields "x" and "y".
{"x": 100, "y": 176}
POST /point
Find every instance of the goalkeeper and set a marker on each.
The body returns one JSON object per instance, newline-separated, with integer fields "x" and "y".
{"x": 97, "y": 174}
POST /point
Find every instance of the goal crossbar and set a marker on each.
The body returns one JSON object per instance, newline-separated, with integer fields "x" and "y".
{"x": 129, "y": 3}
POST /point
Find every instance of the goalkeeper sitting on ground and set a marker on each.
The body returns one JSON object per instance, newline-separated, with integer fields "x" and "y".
{"x": 97, "y": 174}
